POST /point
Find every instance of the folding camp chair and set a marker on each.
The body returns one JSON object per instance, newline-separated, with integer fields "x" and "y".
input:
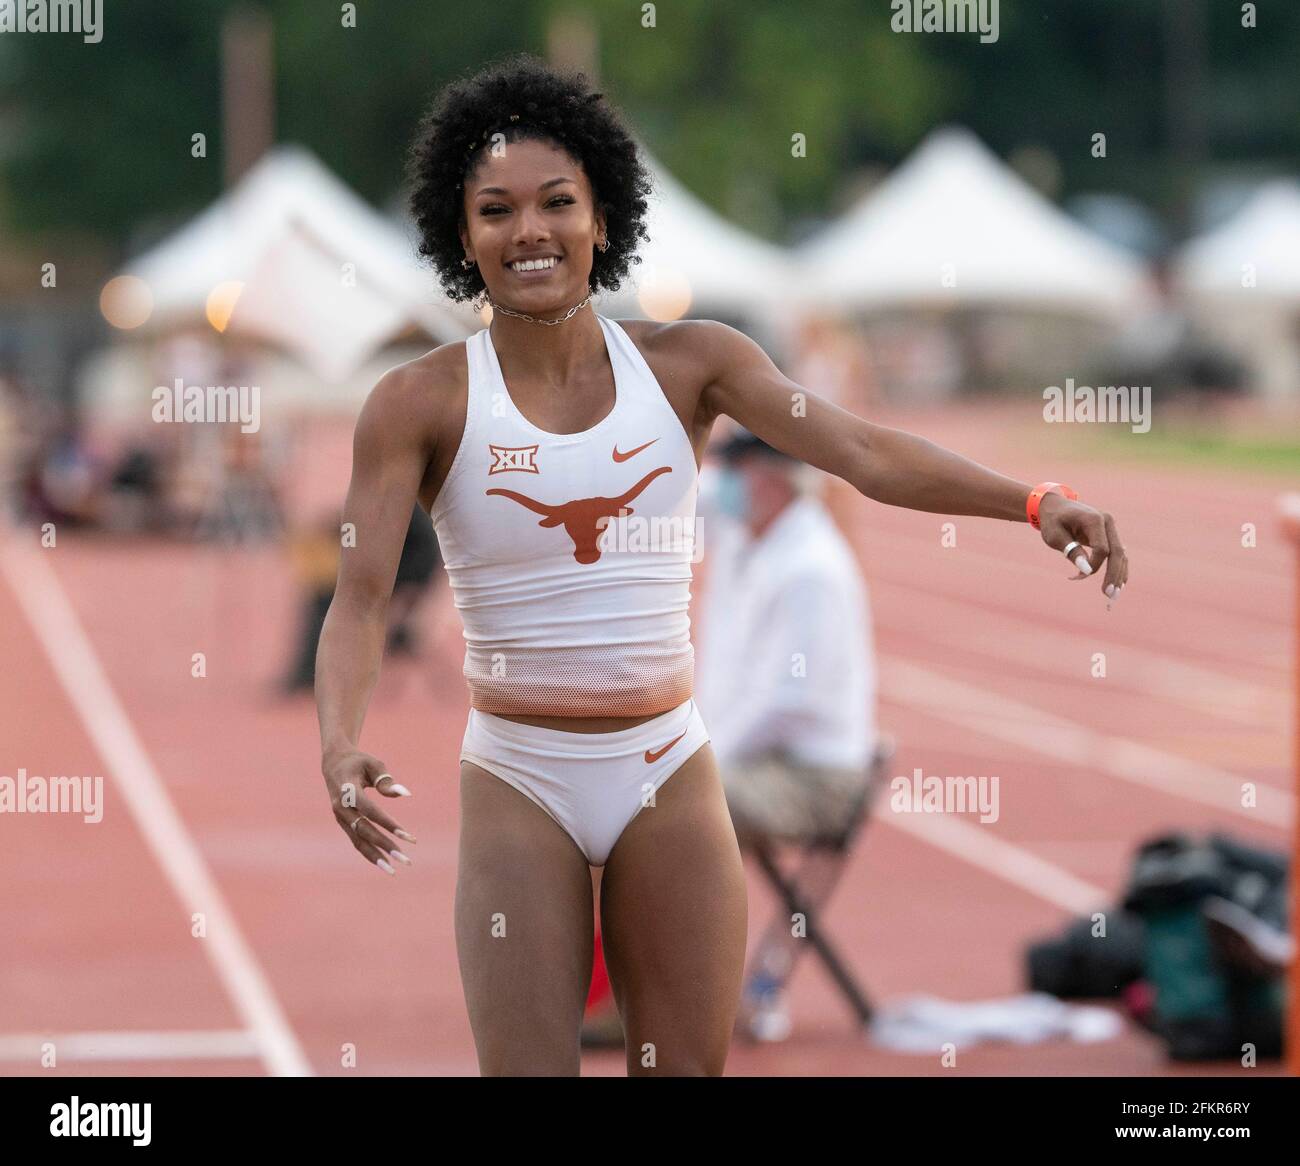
{"x": 805, "y": 892}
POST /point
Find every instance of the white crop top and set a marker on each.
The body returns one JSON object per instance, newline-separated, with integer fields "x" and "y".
{"x": 570, "y": 554}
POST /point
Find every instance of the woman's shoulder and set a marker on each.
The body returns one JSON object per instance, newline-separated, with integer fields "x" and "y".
{"x": 440, "y": 369}
{"x": 426, "y": 393}
{"x": 674, "y": 336}
{"x": 437, "y": 378}
{"x": 693, "y": 346}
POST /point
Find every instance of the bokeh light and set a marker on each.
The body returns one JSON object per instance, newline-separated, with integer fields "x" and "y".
{"x": 665, "y": 295}
{"x": 221, "y": 303}
{"x": 126, "y": 302}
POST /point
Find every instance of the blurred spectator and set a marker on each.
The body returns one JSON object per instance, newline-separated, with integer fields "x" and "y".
{"x": 832, "y": 361}
{"x": 135, "y": 497}
{"x": 786, "y": 672}
{"x": 16, "y": 444}
{"x": 415, "y": 572}
{"x": 315, "y": 554}
{"x": 62, "y": 482}
{"x": 1163, "y": 348}
{"x": 242, "y": 500}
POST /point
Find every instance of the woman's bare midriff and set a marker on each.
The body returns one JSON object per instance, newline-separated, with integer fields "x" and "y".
{"x": 581, "y": 724}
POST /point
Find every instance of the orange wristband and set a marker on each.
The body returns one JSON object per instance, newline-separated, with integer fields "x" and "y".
{"x": 1036, "y": 497}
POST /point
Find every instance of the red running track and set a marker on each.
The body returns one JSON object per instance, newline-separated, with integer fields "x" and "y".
{"x": 309, "y": 953}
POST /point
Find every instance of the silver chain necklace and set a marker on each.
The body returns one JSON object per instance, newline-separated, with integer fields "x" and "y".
{"x": 573, "y": 311}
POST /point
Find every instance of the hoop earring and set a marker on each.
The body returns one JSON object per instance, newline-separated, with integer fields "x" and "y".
{"x": 603, "y": 247}
{"x": 467, "y": 262}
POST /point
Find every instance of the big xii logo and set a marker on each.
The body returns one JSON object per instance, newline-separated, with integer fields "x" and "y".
{"x": 505, "y": 458}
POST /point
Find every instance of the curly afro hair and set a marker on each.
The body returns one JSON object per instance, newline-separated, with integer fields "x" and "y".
{"x": 523, "y": 98}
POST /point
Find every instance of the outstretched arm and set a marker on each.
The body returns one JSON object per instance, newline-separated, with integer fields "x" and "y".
{"x": 890, "y": 465}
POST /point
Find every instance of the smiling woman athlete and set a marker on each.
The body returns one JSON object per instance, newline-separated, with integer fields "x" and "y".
{"x": 531, "y": 444}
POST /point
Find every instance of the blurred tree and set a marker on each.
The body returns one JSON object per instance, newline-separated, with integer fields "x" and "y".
{"x": 720, "y": 90}
{"x": 99, "y": 135}
{"x": 96, "y": 138}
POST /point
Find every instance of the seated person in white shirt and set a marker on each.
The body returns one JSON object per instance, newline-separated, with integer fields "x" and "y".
{"x": 785, "y": 675}
{"x": 786, "y": 671}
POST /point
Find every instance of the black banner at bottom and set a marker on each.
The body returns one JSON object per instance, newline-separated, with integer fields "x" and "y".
{"x": 387, "y": 1116}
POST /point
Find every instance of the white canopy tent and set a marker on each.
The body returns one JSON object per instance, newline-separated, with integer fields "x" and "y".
{"x": 1242, "y": 282}
{"x": 308, "y": 265}
{"x": 697, "y": 260}
{"x": 954, "y": 226}
{"x": 1255, "y": 253}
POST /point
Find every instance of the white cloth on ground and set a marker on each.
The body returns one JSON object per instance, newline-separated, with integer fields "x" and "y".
{"x": 924, "y": 1024}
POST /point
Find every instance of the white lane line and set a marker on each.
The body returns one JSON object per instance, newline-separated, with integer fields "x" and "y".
{"x": 217, "y": 1044}
{"x": 979, "y": 846}
{"x": 1048, "y": 734}
{"x": 73, "y": 658}
{"x": 1172, "y": 679}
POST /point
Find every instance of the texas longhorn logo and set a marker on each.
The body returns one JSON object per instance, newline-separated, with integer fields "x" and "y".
{"x": 584, "y": 519}
{"x": 506, "y": 458}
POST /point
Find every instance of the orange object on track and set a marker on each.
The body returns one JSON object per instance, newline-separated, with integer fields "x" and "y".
{"x": 600, "y": 987}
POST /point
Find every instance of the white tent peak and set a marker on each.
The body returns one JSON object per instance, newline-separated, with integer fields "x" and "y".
{"x": 724, "y": 267}
{"x": 286, "y": 232}
{"x": 954, "y": 225}
{"x": 1264, "y": 234}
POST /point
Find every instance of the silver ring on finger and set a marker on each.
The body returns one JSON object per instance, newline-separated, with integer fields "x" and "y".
{"x": 381, "y": 778}
{"x": 356, "y": 822}
{"x": 1070, "y": 549}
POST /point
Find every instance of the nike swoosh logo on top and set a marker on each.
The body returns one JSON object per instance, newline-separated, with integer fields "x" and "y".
{"x": 655, "y": 754}
{"x": 622, "y": 457}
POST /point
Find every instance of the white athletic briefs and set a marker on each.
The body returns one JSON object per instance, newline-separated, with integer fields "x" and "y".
{"x": 592, "y": 784}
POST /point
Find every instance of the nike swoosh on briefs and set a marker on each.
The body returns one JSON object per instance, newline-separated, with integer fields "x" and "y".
{"x": 655, "y": 754}
{"x": 622, "y": 457}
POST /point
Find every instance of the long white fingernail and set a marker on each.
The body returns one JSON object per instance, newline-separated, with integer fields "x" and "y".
{"x": 403, "y": 834}
{"x": 397, "y": 854}
{"x": 1084, "y": 566}
{"x": 1109, "y": 589}
{"x": 385, "y": 867}
{"x": 401, "y": 790}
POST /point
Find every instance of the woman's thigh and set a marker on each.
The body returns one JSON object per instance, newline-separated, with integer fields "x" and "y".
{"x": 523, "y": 930}
{"x": 673, "y": 920}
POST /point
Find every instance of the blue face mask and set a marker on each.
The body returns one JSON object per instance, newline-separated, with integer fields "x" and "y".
{"x": 733, "y": 494}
